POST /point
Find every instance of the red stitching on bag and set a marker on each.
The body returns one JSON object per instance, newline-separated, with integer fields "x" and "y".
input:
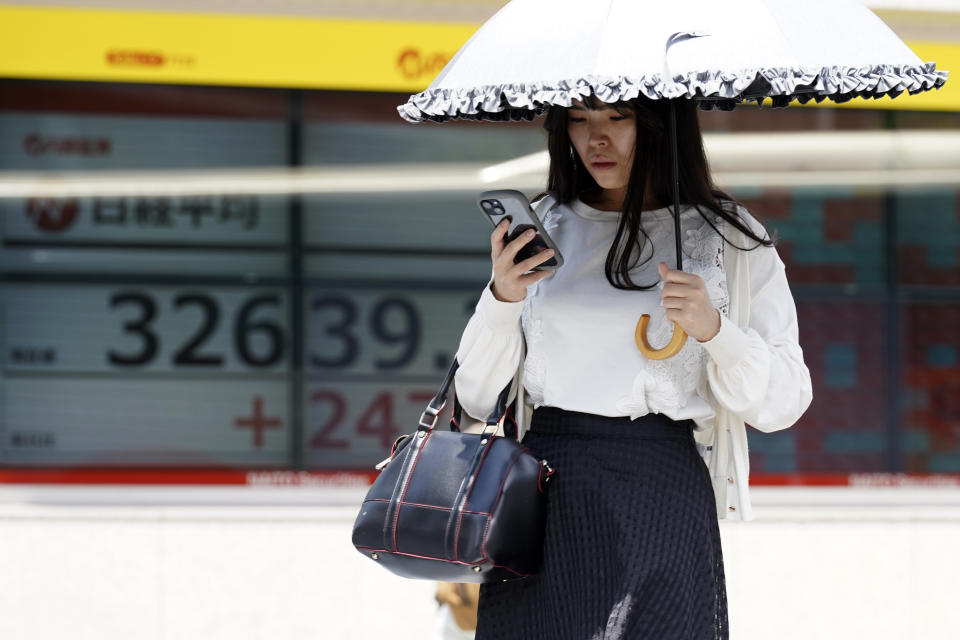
{"x": 414, "y": 555}
{"x": 429, "y": 506}
{"x": 466, "y": 564}
{"x": 456, "y": 536}
{"x": 409, "y": 480}
{"x": 393, "y": 449}
{"x": 493, "y": 509}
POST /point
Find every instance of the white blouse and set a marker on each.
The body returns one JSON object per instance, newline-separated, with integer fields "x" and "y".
{"x": 570, "y": 342}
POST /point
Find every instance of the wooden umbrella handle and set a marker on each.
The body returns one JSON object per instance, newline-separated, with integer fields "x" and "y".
{"x": 673, "y": 347}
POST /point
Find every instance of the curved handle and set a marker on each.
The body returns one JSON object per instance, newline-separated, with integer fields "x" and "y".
{"x": 673, "y": 347}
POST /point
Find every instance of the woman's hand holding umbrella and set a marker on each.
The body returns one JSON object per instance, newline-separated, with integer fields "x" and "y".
{"x": 510, "y": 279}
{"x": 688, "y": 304}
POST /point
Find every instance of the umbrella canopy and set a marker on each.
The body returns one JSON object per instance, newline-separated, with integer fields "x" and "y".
{"x": 536, "y": 53}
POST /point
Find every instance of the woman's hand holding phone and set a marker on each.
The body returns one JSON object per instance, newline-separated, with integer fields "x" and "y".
{"x": 510, "y": 280}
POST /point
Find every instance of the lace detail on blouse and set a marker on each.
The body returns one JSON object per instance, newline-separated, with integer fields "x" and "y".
{"x": 666, "y": 385}
{"x": 534, "y": 365}
{"x": 705, "y": 246}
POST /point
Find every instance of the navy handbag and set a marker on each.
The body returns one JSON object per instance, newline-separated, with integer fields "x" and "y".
{"x": 454, "y": 506}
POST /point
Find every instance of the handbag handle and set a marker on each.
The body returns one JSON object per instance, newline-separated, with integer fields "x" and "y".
{"x": 428, "y": 419}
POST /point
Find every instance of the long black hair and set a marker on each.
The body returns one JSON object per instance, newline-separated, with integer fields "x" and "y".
{"x": 569, "y": 178}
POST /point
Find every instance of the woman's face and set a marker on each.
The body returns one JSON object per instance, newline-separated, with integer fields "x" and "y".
{"x": 605, "y": 140}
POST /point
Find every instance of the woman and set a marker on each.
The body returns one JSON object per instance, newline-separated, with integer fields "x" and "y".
{"x": 648, "y": 453}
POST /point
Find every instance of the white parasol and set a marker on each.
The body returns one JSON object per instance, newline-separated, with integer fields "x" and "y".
{"x": 536, "y": 53}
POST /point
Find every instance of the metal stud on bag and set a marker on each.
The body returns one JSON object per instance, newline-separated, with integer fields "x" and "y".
{"x": 477, "y": 569}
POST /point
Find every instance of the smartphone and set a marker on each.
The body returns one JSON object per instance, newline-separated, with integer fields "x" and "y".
{"x": 514, "y": 206}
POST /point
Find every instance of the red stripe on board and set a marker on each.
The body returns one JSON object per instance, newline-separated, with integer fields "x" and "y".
{"x": 205, "y": 477}
{"x": 360, "y": 478}
{"x": 855, "y": 480}
{"x": 799, "y": 479}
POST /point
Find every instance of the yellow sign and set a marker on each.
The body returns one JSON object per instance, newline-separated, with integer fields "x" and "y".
{"x": 947, "y": 98}
{"x": 269, "y": 51}
{"x": 184, "y": 48}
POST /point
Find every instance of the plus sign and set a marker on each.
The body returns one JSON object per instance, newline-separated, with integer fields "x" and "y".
{"x": 257, "y": 422}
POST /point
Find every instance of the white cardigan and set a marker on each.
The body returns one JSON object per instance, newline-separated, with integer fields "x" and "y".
{"x": 759, "y": 354}
{"x": 755, "y": 369}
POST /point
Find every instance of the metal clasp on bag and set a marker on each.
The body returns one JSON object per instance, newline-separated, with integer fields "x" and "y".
{"x": 550, "y": 470}
{"x": 432, "y": 413}
{"x": 490, "y": 429}
{"x": 393, "y": 450}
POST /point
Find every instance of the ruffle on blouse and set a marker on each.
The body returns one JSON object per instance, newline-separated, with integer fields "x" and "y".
{"x": 695, "y": 241}
{"x": 551, "y": 219}
{"x": 651, "y": 393}
{"x": 711, "y": 89}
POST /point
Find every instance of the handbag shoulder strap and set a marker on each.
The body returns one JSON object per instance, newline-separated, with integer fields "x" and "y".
{"x": 429, "y": 417}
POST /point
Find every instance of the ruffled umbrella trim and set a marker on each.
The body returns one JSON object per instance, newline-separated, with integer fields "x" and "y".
{"x": 722, "y": 90}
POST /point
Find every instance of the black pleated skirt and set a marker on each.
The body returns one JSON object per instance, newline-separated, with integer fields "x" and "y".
{"x": 632, "y": 546}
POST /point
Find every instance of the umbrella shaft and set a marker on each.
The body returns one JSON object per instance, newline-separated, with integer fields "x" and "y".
{"x": 675, "y": 149}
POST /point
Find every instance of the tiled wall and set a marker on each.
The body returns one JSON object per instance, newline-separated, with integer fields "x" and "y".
{"x": 876, "y": 278}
